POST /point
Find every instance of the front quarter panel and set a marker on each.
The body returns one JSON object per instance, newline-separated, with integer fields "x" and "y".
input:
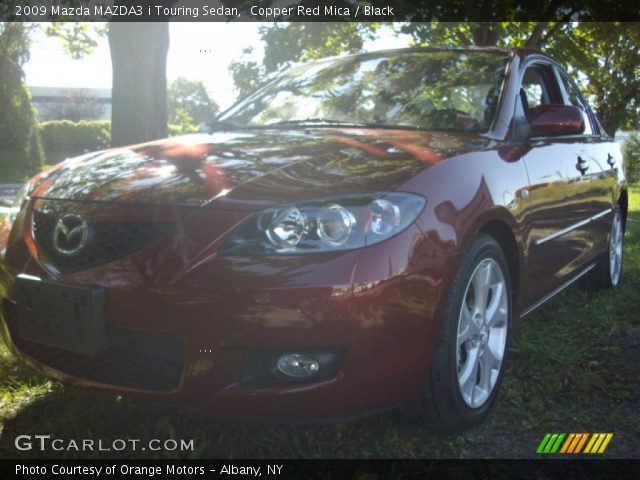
{"x": 471, "y": 192}
{"x": 466, "y": 192}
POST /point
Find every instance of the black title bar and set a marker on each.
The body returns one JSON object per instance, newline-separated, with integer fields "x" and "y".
{"x": 318, "y": 469}
{"x": 320, "y": 10}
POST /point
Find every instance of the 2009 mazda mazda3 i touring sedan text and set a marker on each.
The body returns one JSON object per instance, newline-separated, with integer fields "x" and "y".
{"x": 357, "y": 234}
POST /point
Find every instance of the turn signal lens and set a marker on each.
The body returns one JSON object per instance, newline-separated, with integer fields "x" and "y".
{"x": 385, "y": 216}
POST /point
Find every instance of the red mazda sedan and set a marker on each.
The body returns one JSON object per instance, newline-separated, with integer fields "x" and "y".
{"x": 359, "y": 233}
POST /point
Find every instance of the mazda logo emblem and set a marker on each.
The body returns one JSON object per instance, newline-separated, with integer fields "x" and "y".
{"x": 70, "y": 235}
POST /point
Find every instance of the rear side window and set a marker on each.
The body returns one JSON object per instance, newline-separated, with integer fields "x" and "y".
{"x": 574, "y": 98}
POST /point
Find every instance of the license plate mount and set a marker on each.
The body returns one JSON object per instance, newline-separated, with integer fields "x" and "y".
{"x": 59, "y": 315}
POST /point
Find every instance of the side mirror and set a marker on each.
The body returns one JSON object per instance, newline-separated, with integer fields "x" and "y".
{"x": 556, "y": 119}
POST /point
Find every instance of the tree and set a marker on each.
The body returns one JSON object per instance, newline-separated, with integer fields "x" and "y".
{"x": 139, "y": 61}
{"x": 189, "y": 102}
{"x": 20, "y": 147}
{"x": 631, "y": 152}
{"x": 298, "y": 42}
{"x": 78, "y": 38}
{"x": 246, "y": 74}
{"x": 608, "y": 55}
{"x": 603, "y": 57}
{"x": 139, "y": 90}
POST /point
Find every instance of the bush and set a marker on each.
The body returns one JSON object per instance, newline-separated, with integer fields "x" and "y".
{"x": 63, "y": 138}
{"x": 631, "y": 152}
{"x": 184, "y": 129}
{"x": 20, "y": 150}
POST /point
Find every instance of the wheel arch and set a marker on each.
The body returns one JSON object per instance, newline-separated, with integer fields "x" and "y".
{"x": 502, "y": 232}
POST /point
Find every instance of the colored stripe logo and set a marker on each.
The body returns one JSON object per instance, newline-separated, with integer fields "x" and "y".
{"x": 573, "y": 443}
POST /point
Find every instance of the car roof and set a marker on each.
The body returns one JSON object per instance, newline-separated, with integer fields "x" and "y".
{"x": 512, "y": 52}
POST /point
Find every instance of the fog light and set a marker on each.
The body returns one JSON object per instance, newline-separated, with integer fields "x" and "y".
{"x": 298, "y": 366}
{"x": 269, "y": 367}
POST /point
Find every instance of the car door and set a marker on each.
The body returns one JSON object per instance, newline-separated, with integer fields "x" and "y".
{"x": 560, "y": 197}
{"x": 604, "y": 159}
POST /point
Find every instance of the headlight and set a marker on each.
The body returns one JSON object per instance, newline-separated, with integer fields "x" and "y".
{"x": 18, "y": 202}
{"x": 334, "y": 225}
{"x": 339, "y": 223}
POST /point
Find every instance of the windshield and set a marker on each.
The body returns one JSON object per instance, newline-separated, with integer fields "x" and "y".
{"x": 439, "y": 90}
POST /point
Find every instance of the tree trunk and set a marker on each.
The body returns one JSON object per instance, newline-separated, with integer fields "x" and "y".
{"x": 485, "y": 35}
{"x": 610, "y": 120}
{"x": 139, "y": 91}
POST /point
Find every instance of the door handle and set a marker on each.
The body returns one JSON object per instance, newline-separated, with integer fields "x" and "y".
{"x": 582, "y": 165}
{"x": 610, "y": 160}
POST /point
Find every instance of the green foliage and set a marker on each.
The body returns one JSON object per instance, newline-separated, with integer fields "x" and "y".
{"x": 64, "y": 138}
{"x": 298, "y": 42}
{"x": 20, "y": 151}
{"x": 35, "y": 149}
{"x": 631, "y": 152}
{"x": 608, "y": 55}
{"x": 605, "y": 56}
{"x": 301, "y": 42}
{"x": 246, "y": 74}
{"x": 189, "y": 103}
{"x": 78, "y": 38}
{"x": 181, "y": 129}
{"x": 15, "y": 41}
{"x": 502, "y": 34}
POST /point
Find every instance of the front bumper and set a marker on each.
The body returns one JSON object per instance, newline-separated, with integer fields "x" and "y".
{"x": 192, "y": 330}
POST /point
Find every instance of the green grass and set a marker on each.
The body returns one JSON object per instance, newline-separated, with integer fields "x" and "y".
{"x": 574, "y": 367}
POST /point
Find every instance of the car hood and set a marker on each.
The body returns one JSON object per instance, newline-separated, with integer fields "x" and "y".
{"x": 253, "y": 168}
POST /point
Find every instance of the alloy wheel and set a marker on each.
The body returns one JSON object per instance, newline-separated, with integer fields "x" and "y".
{"x": 482, "y": 332}
{"x": 615, "y": 249}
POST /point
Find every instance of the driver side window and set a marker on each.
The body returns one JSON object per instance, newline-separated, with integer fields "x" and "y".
{"x": 539, "y": 87}
{"x": 534, "y": 90}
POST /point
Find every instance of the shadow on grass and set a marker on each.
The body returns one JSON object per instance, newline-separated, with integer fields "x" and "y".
{"x": 71, "y": 413}
{"x": 562, "y": 377}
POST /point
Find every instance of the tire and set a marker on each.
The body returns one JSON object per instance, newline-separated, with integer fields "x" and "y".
{"x": 470, "y": 353}
{"x": 608, "y": 271}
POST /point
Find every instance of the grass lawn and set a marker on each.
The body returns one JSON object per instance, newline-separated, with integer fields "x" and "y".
{"x": 574, "y": 367}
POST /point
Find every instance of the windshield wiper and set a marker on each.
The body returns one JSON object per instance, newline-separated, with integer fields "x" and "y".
{"x": 314, "y": 121}
{"x": 308, "y": 122}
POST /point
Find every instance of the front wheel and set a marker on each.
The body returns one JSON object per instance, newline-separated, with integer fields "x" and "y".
{"x": 472, "y": 343}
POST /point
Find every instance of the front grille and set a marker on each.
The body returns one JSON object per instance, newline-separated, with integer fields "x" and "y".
{"x": 106, "y": 241}
{"x": 138, "y": 360}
